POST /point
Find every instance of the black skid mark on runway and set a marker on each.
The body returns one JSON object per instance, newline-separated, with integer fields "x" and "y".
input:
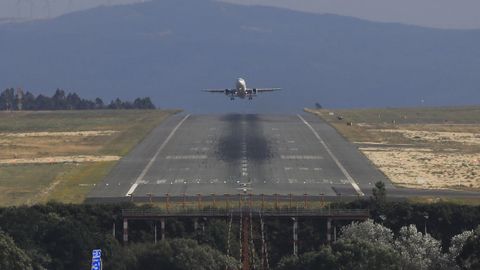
{"x": 230, "y": 146}
{"x": 258, "y": 147}
{"x": 243, "y": 129}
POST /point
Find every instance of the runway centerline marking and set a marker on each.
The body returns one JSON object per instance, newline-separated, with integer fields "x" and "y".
{"x": 335, "y": 159}
{"x": 145, "y": 170}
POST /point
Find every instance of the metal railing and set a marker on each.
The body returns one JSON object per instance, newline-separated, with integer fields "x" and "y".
{"x": 324, "y": 212}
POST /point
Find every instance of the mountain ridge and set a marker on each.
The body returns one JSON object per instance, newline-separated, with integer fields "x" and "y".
{"x": 170, "y": 50}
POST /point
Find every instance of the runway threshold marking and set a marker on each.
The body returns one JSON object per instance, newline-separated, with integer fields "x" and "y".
{"x": 335, "y": 159}
{"x": 145, "y": 170}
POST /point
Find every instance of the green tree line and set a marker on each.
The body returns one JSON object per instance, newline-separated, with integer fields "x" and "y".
{"x": 60, "y": 100}
{"x": 59, "y": 236}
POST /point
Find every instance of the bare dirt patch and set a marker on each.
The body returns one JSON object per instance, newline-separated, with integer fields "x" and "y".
{"x": 60, "y": 155}
{"x": 59, "y": 134}
{"x": 438, "y": 136}
{"x": 436, "y": 148}
{"x": 424, "y": 168}
{"x": 59, "y": 159}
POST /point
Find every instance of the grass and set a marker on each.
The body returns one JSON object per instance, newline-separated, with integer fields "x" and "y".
{"x": 458, "y": 201}
{"x": 68, "y": 182}
{"x": 416, "y": 147}
{"x": 21, "y": 183}
{"x": 421, "y": 115}
{"x": 74, "y": 184}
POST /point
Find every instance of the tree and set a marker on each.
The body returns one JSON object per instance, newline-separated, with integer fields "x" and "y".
{"x": 469, "y": 257}
{"x": 324, "y": 259}
{"x": 28, "y": 101}
{"x": 419, "y": 251}
{"x": 59, "y": 100}
{"x": 379, "y": 193}
{"x": 178, "y": 254}
{"x": 99, "y": 103}
{"x": 143, "y": 103}
{"x": 7, "y": 99}
{"x": 457, "y": 243}
{"x": 11, "y": 256}
{"x": 367, "y": 231}
{"x": 43, "y": 103}
{"x": 366, "y": 255}
{"x": 73, "y": 101}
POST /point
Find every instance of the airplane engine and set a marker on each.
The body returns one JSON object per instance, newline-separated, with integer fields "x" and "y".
{"x": 254, "y": 91}
{"x": 227, "y": 92}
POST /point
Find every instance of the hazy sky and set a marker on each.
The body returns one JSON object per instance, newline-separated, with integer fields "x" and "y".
{"x": 434, "y": 13}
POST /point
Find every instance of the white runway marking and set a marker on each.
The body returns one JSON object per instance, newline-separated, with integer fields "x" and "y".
{"x": 187, "y": 157}
{"x": 300, "y": 157}
{"x": 340, "y": 166}
{"x": 145, "y": 170}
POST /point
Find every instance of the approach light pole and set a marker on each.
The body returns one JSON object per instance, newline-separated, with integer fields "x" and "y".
{"x": 426, "y": 218}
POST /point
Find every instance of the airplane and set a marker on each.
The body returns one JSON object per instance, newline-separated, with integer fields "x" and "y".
{"x": 241, "y": 90}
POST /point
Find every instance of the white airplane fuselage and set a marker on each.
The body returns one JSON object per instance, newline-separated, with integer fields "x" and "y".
{"x": 240, "y": 90}
{"x": 241, "y": 87}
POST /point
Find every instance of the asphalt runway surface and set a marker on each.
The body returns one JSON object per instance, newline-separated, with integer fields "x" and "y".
{"x": 254, "y": 154}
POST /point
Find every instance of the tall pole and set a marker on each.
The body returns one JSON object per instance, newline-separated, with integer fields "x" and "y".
{"x": 155, "y": 230}
{"x": 276, "y": 201}
{"x": 183, "y": 201}
{"x": 125, "y": 230}
{"x": 329, "y": 230}
{"x": 334, "y": 234}
{"x": 162, "y": 224}
{"x": 426, "y": 218}
{"x": 263, "y": 201}
{"x": 226, "y": 201}
{"x": 167, "y": 201}
{"x": 295, "y": 237}
{"x": 245, "y": 243}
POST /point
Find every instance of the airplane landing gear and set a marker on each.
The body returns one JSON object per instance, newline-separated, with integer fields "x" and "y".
{"x": 232, "y": 98}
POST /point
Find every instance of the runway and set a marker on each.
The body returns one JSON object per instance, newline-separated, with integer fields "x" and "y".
{"x": 235, "y": 153}
{"x": 232, "y": 154}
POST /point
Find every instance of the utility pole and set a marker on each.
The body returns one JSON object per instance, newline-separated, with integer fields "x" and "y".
{"x": 245, "y": 243}
{"x": 295, "y": 237}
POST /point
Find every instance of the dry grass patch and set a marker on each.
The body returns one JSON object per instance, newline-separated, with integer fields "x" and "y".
{"x": 60, "y": 155}
{"x": 421, "y": 148}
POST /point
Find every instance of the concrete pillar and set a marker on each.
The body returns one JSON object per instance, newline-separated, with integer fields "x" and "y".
{"x": 125, "y": 230}
{"x": 329, "y": 230}
{"x": 334, "y": 234}
{"x": 295, "y": 236}
{"x": 195, "y": 225}
{"x": 162, "y": 225}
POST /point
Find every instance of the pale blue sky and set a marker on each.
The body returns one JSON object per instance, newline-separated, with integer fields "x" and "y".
{"x": 433, "y": 13}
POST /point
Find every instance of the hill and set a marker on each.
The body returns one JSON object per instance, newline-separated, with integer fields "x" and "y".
{"x": 171, "y": 49}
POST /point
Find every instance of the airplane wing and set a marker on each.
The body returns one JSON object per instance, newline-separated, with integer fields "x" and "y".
{"x": 215, "y": 90}
{"x": 260, "y": 90}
